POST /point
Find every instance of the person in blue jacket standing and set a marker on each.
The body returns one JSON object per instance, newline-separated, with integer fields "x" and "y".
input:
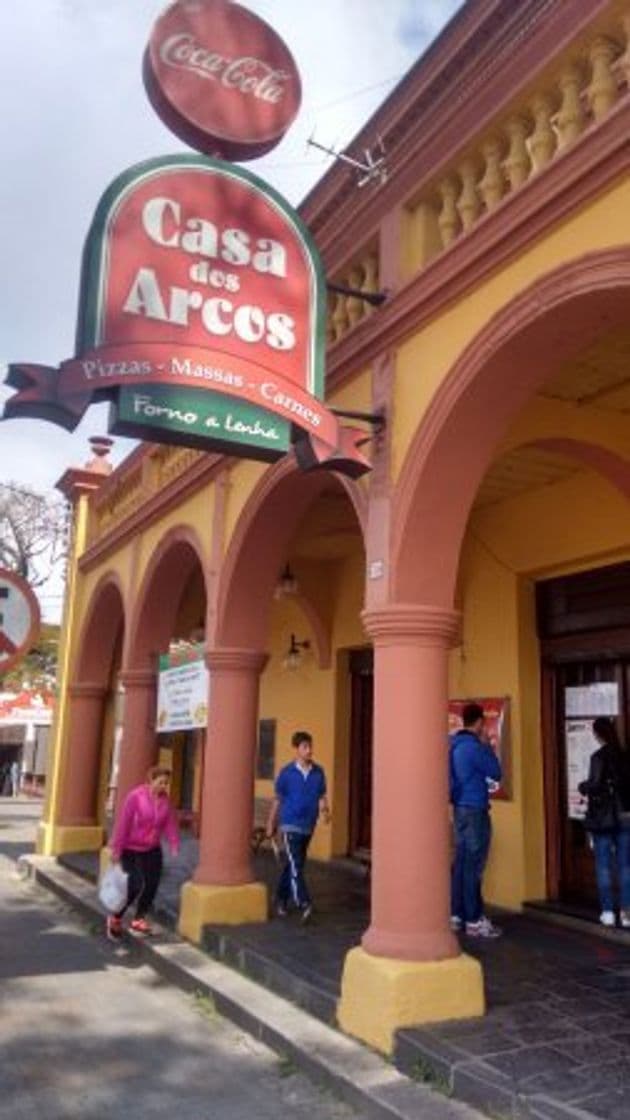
{"x": 474, "y": 769}
{"x": 300, "y": 799}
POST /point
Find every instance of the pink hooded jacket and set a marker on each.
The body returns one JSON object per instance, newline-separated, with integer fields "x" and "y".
{"x": 142, "y": 822}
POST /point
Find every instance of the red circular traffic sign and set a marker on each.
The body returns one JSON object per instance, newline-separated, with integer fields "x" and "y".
{"x": 19, "y": 619}
{"x": 221, "y": 78}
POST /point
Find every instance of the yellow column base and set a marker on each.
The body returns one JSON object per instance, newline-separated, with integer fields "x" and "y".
{"x": 230, "y": 906}
{"x": 380, "y": 995}
{"x": 56, "y": 840}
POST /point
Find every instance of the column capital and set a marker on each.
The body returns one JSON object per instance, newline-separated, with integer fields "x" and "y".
{"x": 423, "y": 624}
{"x": 234, "y": 660}
{"x": 86, "y": 690}
{"x": 137, "y": 678}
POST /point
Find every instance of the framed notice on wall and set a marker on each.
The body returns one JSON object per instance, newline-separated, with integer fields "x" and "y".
{"x": 580, "y": 744}
{"x": 496, "y": 710}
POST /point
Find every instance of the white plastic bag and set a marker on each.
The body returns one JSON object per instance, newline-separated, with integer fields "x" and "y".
{"x": 113, "y": 888}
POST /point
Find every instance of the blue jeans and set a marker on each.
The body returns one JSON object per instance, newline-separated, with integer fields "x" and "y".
{"x": 473, "y": 833}
{"x": 292, "y": 885}
{"x": 612, "y": 848}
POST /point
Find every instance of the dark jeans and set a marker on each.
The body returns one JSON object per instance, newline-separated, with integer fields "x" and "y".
{"x": 612, "y": 849}
{"x": 144, "y": 870}
{"x": 292, "y": 885}
{"x": 473, "y": 833}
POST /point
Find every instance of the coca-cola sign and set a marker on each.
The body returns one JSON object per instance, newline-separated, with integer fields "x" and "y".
{"x": 201, "y": 318}
{"x": 221, "y": 79}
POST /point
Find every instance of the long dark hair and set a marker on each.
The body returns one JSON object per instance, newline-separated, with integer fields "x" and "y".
{"x": 606, "y": 731}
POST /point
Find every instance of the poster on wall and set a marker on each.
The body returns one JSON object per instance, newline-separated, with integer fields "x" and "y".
{"x": 182, "y": 700}
{"x": 496, "y": 710}
{"x": 580, "y": 744}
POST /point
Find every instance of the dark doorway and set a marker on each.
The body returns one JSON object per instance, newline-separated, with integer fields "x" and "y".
{"x": 584, "y": 625}
{"x": 361, "y": 716}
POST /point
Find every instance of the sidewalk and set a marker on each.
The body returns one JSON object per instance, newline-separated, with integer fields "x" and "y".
{"x": 555, "y": 1044}
{"x": 86, "y": 1026}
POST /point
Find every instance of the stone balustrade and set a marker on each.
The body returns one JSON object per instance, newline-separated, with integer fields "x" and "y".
{"x": 587, "y": 83}
{"x": 345, "y": 311}
{"x": 575, "y": 95}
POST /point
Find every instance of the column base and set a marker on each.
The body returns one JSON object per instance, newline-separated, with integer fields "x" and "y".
{"x": 202, "y": 905}
{"x": 57, "y": 839}
{"x": 380, "y": 995}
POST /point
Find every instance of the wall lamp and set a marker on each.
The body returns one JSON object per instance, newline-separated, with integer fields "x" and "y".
{"x": 286, "y": 585}
{"x": 293, "y": 656}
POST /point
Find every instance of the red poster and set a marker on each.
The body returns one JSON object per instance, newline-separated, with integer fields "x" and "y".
{"x": 496, "y": 710}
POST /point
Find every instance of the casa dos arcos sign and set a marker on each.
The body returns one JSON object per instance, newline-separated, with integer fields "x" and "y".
{"x": 203, "y": 300}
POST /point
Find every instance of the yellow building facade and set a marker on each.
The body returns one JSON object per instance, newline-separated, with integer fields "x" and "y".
{"x": 486, "y": 554}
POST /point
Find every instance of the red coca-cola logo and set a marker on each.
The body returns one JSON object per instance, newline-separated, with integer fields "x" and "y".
{"x": 221, "y": 79}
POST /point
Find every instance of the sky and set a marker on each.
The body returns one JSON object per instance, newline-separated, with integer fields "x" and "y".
{"x": 75, "y": 115}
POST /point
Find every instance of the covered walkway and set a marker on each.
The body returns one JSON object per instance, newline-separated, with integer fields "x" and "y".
{"x": 556, "y": 1038}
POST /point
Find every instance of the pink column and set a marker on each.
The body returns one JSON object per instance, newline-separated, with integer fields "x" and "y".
{"x": 410, "y": 906}
{"x": 228, "y": 780}
{"x": 138, "y": 745}
{"x": 82, "y": 767}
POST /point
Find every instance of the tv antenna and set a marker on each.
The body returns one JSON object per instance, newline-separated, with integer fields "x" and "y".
{"x": 371, "y": 169}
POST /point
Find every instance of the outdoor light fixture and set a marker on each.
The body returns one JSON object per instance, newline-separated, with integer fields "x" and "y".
{"x": 286, "y": 585}
{"x": 293, "y": 656}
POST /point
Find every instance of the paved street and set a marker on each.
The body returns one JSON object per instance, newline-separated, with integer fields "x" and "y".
{"x": 87, "y": 1031}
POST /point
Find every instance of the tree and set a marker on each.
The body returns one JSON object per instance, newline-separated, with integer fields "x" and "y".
{"x": 33, "y": 532}
{"x": 37, "y": 670}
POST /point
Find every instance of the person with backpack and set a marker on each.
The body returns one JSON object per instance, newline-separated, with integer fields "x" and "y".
{"x": 473, "y": 769}
{"x": 607, "y": 820}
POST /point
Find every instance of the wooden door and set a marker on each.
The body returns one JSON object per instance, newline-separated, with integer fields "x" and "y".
{"x": 361, "y": 720}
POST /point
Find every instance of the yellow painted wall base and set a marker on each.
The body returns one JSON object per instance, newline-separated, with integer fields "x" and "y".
{"x": 380, "y": 995}
{"x": 56, "y": 840}
{"x": 206, "y": 905}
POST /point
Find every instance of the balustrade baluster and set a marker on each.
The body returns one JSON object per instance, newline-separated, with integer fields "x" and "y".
{"x": 518, "y": 163}
{"x": 340, "y": 317}
{"x": 602, "y": 92}
{"x": 570, "y": 119}
{"x": 492, "y": 185}
{"x": 542, "y": 142}
{"x": 448, "y": 218}
{"x": 468, "y": 204}
{"x": 355, "y": 305}
{"x": 370, "y": 279}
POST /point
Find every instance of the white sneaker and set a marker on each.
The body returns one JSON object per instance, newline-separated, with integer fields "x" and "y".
{"x": 624, "y": 916}
{"x": 483, "y": 928}
{"x": 607, "y": 918}
{"x": 456, "y": 923}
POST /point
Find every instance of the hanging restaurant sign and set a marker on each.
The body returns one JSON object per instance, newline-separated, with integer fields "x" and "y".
{"x": 201, "y": 317}
{"x": 221, "y": 78}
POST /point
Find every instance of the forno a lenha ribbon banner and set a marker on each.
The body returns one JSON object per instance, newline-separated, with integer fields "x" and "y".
{"x": 62, "y": 395}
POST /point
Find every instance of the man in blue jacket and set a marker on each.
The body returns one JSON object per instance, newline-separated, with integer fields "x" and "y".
{"x": 474, "y": 769}
{"x": 300, "y": 799}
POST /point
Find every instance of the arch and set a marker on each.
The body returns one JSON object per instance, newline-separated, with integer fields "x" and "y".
{"x": 156, "y": 602}
{"x": 259, "y": 546}
{"x": 503, "y": 366}
{"x": 101, "y": 628}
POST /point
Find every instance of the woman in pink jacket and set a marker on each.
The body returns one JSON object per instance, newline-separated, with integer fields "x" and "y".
{"x": 145, "y": 817}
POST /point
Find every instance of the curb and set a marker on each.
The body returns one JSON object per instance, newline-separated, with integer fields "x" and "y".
{"x": 357, "y": 1075}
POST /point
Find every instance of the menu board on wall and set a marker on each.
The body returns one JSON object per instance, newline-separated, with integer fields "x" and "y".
{"x": 496, "y": 710}
{"x": 580, "y": 744}
{"x": 182, "y": 701}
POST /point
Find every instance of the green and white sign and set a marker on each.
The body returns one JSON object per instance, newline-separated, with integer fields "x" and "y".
{"x": 182, "y": 701}
{"x": 194, "y": 415}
